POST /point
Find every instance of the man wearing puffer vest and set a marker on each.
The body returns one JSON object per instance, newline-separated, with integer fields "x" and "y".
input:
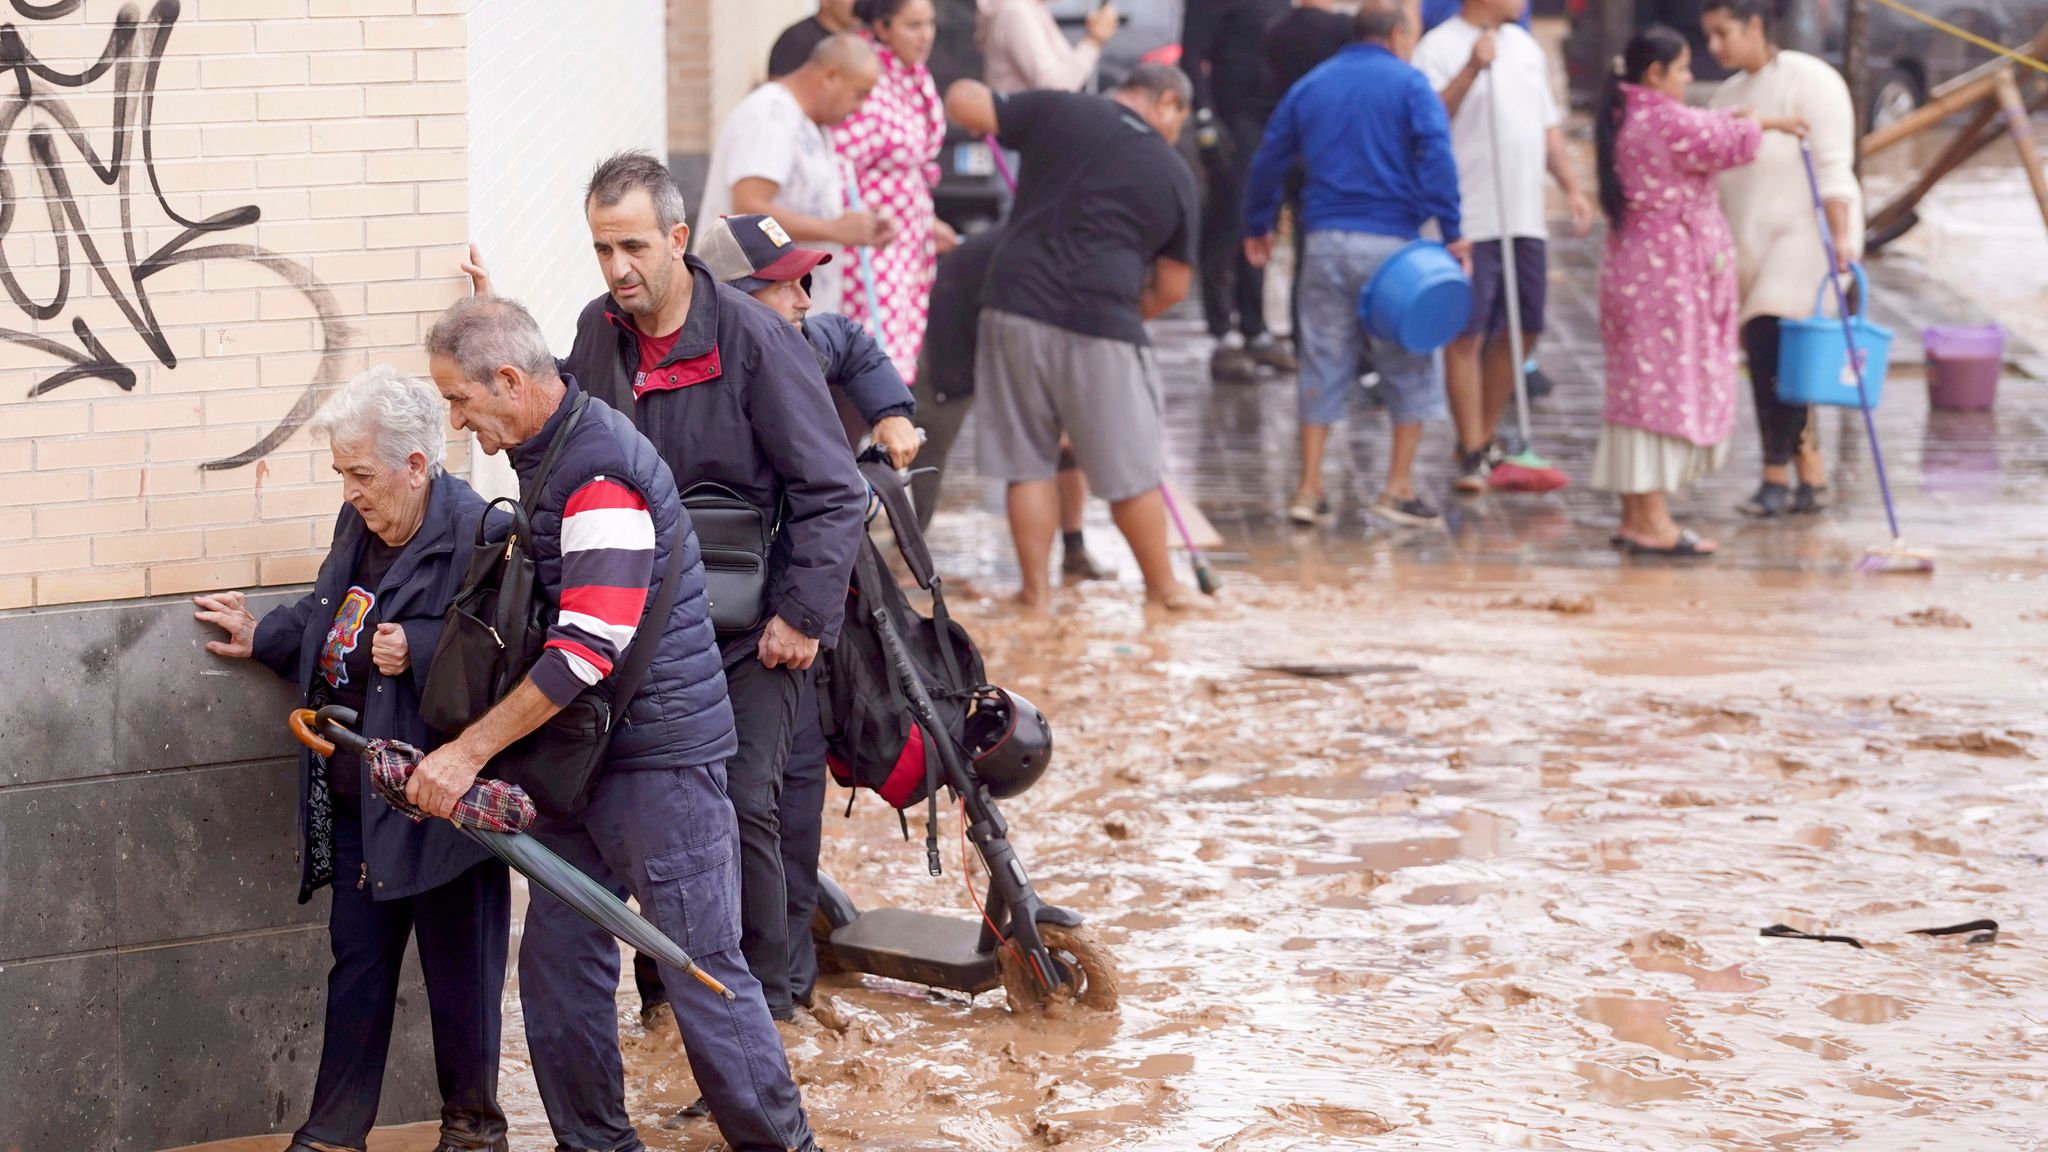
{"x": 658, "y": 826}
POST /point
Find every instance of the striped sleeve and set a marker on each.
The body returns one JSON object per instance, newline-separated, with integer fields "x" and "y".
{"x": 607, "y": 565}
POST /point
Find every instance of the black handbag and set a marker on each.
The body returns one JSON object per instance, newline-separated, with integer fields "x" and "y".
{"x": 734, "y": 536}
{"x": 493, "y": 635}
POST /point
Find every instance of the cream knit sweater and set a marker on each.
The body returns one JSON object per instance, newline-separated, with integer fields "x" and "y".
{"x": 1022, "y": 47}
{"x": 1778, "y": 260}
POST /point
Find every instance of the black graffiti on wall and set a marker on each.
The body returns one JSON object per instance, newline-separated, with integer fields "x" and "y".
{"x": 133, "y": 58}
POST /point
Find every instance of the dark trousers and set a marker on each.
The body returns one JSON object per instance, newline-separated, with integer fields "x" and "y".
{"x": 462, "y": 928}
{"x": 803, "y": 830}
{"x": 1233, "y": 292}
{"x": 1780, "y": 424}
{"x": 667, "y": 837}
{"x": 764, "y": 704}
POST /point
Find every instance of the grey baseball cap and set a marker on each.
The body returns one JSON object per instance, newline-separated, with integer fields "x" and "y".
{"x": 752, "y": 252}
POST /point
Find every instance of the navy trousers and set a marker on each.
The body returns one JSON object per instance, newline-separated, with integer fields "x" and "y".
{"x": 801, "y": 810}
{"x": 668, "y": 838}
{"x": 462, "y": 927}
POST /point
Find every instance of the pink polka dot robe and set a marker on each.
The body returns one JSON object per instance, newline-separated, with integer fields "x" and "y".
{"x": 891, "y": 147}
{"x": 1668, "y": 296}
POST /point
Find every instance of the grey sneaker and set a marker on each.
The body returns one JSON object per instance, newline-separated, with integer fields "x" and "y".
{"x": 1411, "y": 512}
{"x": 1270, "y": 353}
{"x": 1473, "y": 470}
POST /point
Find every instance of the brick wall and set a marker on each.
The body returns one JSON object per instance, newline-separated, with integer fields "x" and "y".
{"x": 281, "y": 202}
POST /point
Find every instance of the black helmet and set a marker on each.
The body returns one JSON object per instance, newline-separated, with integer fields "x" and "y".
{"x": 1009, "y": 739}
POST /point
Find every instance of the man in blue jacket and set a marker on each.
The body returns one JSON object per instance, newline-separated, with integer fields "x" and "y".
{"x": 606, "y": 518}
{"x": 1376, "y": 145}
{"x": 729, "y": 393}
{"x": 754, "y": 255}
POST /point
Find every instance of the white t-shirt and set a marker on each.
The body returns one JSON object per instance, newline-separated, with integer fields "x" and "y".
{"x": 768, "y": 137}
{"x": 1528, "y": 111}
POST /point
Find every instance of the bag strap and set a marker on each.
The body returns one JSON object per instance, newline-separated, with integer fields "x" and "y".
{"x": 554, "y": 452}
{"x": 640, "y": 653}
{"x": 888, "y": 487}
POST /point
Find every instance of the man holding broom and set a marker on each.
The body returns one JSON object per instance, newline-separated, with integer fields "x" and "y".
{"x": 1484, "y": 64}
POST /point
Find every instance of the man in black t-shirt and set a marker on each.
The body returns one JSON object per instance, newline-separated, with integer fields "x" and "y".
{"x": 1102, "y": 238}
{"x": 794, "y": 46}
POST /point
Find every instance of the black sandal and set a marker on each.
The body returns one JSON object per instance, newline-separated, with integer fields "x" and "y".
{"x": 1686, "y": 547}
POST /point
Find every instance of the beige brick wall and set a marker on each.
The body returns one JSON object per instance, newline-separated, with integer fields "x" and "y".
{"x": 311, "y": 161}
{"x": 704, "y": 84}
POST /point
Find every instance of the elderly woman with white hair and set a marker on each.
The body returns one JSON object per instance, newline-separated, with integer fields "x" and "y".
{"x": 362, "y": 638}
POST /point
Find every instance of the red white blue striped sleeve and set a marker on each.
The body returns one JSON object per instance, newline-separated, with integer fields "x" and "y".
{"x": 607, "y": 566}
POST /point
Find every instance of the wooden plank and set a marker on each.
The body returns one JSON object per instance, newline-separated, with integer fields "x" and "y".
{"x": 1974, "y": 138}
{"x": 2022, "y": 128}
{"x": 1935, "y": 111}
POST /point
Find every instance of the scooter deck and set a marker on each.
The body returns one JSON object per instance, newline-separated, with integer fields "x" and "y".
{"x": 936, "y": 951}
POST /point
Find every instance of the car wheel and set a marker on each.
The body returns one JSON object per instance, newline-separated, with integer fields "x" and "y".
{"x": 1898, "y": 95}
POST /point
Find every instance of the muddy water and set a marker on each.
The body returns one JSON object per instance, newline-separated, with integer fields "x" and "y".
{"x": 1506, "y": 894}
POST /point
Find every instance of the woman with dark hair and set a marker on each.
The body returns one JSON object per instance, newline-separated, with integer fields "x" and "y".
{"x": 1779, "y": 263}
{"x": 891, "y": 149}
{"x": 1667, "y": 287}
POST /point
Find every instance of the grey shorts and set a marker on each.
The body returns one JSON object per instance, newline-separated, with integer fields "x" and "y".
{"x": 1033, "y": 381}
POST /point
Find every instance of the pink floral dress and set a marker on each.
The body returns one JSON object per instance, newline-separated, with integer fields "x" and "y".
{"x": 891, "y": 147}
{"x": 1668, "y": 296}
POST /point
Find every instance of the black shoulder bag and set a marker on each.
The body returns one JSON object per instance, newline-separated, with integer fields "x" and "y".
{"x": 492, "y": 637}
{"x": 734, "y": 537}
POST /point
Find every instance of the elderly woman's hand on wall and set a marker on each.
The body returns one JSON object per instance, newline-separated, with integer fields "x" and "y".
{"x": 230, "y": 610}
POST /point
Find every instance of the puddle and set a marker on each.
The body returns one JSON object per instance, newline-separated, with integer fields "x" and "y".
{"x": 1868, "y": 1008}
{"x": 1649, "y": 1023}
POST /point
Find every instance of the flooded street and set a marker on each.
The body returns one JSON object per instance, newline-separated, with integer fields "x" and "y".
{"x": 1494, "y": 876}
{"x": 1502, "y": 886}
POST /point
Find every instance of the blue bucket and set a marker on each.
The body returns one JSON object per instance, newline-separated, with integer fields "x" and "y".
{"x": 1812, "y": 368}
{"x": 1420, "y": 298}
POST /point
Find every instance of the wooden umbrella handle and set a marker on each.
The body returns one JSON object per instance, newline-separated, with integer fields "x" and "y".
{"x": 301, "y": 723}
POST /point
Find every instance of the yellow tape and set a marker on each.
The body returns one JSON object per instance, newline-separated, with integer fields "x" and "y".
{"x": 1960, "y": 34}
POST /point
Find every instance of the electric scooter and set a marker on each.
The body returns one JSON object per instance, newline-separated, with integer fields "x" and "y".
{"x": 1037, "y": 952}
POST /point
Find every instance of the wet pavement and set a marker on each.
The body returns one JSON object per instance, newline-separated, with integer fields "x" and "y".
{"x": 1499, "y": 882}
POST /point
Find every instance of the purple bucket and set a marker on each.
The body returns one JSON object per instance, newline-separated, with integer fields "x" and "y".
{"x": 1963, "y": 365}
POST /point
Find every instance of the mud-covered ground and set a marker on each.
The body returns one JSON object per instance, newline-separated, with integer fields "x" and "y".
{"x": 1501, "y": 884}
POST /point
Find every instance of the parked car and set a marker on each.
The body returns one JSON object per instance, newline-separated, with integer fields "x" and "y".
{"x": 1907, "y": 59}
{"x": 970, "y": 195}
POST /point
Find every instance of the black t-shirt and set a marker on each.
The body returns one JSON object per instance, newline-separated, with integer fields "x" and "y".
{"x": 343, "y": 675}
{"x": 1299, "y": 41}
{"x": 955, "y": 313}
{"x": 1221, "y": 51}
{"x": 1101, "y": 197}
{"x": 794, "y": 46}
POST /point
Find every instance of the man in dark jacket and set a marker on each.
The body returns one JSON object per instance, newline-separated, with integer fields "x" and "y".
{"x": 606, "y": 518}
{"x": 730, "y": 393}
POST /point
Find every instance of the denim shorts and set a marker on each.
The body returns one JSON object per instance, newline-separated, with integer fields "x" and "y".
{"x": 1335, "y": 269}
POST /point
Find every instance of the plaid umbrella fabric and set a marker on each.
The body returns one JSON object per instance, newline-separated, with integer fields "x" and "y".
{"x": 490, "y": 805}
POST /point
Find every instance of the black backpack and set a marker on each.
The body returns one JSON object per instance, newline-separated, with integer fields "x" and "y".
{"x": 871, "y": 739}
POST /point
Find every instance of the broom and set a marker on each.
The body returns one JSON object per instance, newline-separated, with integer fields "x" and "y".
{"x": 1525, "y": 471}
{"x": 1879, "y": 558}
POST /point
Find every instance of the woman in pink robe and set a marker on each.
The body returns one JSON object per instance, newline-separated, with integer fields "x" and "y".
{"x": 1668, "y": 298}
{"x": 891, "y": 149}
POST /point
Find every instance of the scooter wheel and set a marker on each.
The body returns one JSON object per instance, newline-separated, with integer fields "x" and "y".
{"x": 1088, "y": 974}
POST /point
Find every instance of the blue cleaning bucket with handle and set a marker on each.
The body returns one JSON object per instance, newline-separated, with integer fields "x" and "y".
{"x": 1420, "y": 298}
{"x": 1813, "y": 354}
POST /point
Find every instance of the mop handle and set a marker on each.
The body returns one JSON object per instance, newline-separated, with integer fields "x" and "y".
{"x": 867, "y": 266}
{"x": 1507, "y": 257}
{"x": 1173, "y": 510}
{"x": 1827, "y": 243}
{"x": 995, "y": 150}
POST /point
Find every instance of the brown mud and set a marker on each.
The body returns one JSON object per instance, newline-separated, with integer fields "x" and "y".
{"x": 1509, "y": 898}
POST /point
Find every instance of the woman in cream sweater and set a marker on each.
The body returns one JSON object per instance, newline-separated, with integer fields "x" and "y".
{"x": 1779, "y": 262}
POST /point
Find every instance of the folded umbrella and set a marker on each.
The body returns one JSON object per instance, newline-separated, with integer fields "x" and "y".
{"x": 491, "y": 814}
